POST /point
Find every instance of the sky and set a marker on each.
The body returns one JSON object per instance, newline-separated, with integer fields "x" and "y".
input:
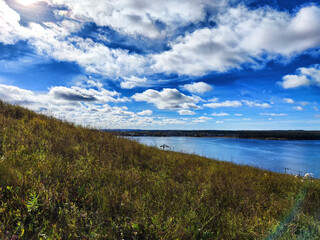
{"x": 164, "y": 64}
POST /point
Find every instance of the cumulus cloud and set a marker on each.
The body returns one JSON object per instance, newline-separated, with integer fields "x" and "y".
{"x": 169, "y": 121}
{"x": 240, "y": 36}
{"x": 92, "y": 56}
{"x": 61, "y": 102}
{"x": 221, "y": 114}
{"x": 10, "y": 29}
{"x": 59, "y": 40}
{"x": 243, "y": 36}
{"x": 255, "y": 104}
{"x": 85, "y": 95}
{"x": 96, "y": 84}
{"x": 167, "y": 99}
{"x": 202, "y": 119}
{"x": 304, "y": 103}
{"x": 132, "y": 82}
{"x": 145, "y": 113}
{"x": 298, "y": 108}
{"x": 304, "y": 77}
{"x": 186, "y": 112}
{"x": 56, "y": 40}
{"x": 223, "y": 104}
{"x": 293, "y": 81}
{"x": 274, "y": 114}
{"x": 58, "y": 95}
{"x": 95, "y": 114}
{"x": 71, "y": 94}
{"x": 16, "y": 95}
{"x": 199, "y": 87}
{"x": 288, "y": 100}
{"x": 140, "y": 17}
{"x": 213, "y": 99}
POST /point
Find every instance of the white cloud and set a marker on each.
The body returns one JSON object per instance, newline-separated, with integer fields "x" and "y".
{"x": 238, "y": 120}
{"x": 219, "y": 122}
{"x": 140, "y": 17}
{"x": 169, "y": 121}
{"x": 304, "y": 103}
{"x": 255, "y": 104}
{"x": 67, "y": 103}
{"x": 213, "y": 99}
{"x": 58, "y": 94}
{"x": 304, "y": 77}
{"x": 16, "y": 95}
{"x": 85, "y": 95}
{"x": 222, "y": 114}
{"x": 132, "y": 82}
{"x": 199, "y": 87}
{"x": 10, "y": 29}
{"x": 293, "y": 81}
{"x": 57, "y": 41}
{"x": 202, "y": 119}
{"x": 93, "y": 57}
{"x": 96, "y": 84}
{"x": 72, "y": 94}
{"x": 238, "y": 114}
{"x": 273, "y": 114}
{"x": 145, "y": 113}
{"x": 242, "y": 36}
{"x": 298, "y": 108}
{"x": 72, "y": 105}
{"x": 237, "y": 104}
{"x": 223, "y": 104}
{"x": 186, "y": 112}
{"x": 167, "y": 99}
{"x": 288, "y": 100}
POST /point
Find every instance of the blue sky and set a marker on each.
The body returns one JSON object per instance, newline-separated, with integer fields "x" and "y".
{"x": 164, "y": 64}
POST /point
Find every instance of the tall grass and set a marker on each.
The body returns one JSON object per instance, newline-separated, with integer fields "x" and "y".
{"x": 60, "y": 181}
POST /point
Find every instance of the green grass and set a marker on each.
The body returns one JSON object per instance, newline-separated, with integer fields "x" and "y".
{"x": 60, "y": 181}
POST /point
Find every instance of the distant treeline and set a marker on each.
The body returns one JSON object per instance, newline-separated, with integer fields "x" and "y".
{"x": 272, "y": 135}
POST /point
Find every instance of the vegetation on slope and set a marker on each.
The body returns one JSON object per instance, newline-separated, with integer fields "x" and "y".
{"x": 59, "y": 181}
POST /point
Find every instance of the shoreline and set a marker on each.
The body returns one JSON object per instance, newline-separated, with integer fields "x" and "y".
{"x": 241, "y": 134}
{"x": 276, "y": 139}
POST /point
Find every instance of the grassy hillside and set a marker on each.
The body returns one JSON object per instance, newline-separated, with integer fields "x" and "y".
{"x": 59, "y": 181}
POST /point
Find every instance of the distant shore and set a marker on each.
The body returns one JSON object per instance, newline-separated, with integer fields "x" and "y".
{"x": 263, "y": 135}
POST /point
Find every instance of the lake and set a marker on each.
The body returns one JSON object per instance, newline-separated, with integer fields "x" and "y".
{"x": 294, "y": 157}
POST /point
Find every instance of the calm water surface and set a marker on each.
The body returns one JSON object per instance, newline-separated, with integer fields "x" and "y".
{"x": 278, "y": 156}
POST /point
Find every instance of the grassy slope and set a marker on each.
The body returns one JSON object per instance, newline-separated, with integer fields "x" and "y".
{"x": 58, "y": 181}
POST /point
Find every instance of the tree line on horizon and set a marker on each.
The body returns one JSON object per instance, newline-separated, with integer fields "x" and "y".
{"x": 267, "y": 134}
